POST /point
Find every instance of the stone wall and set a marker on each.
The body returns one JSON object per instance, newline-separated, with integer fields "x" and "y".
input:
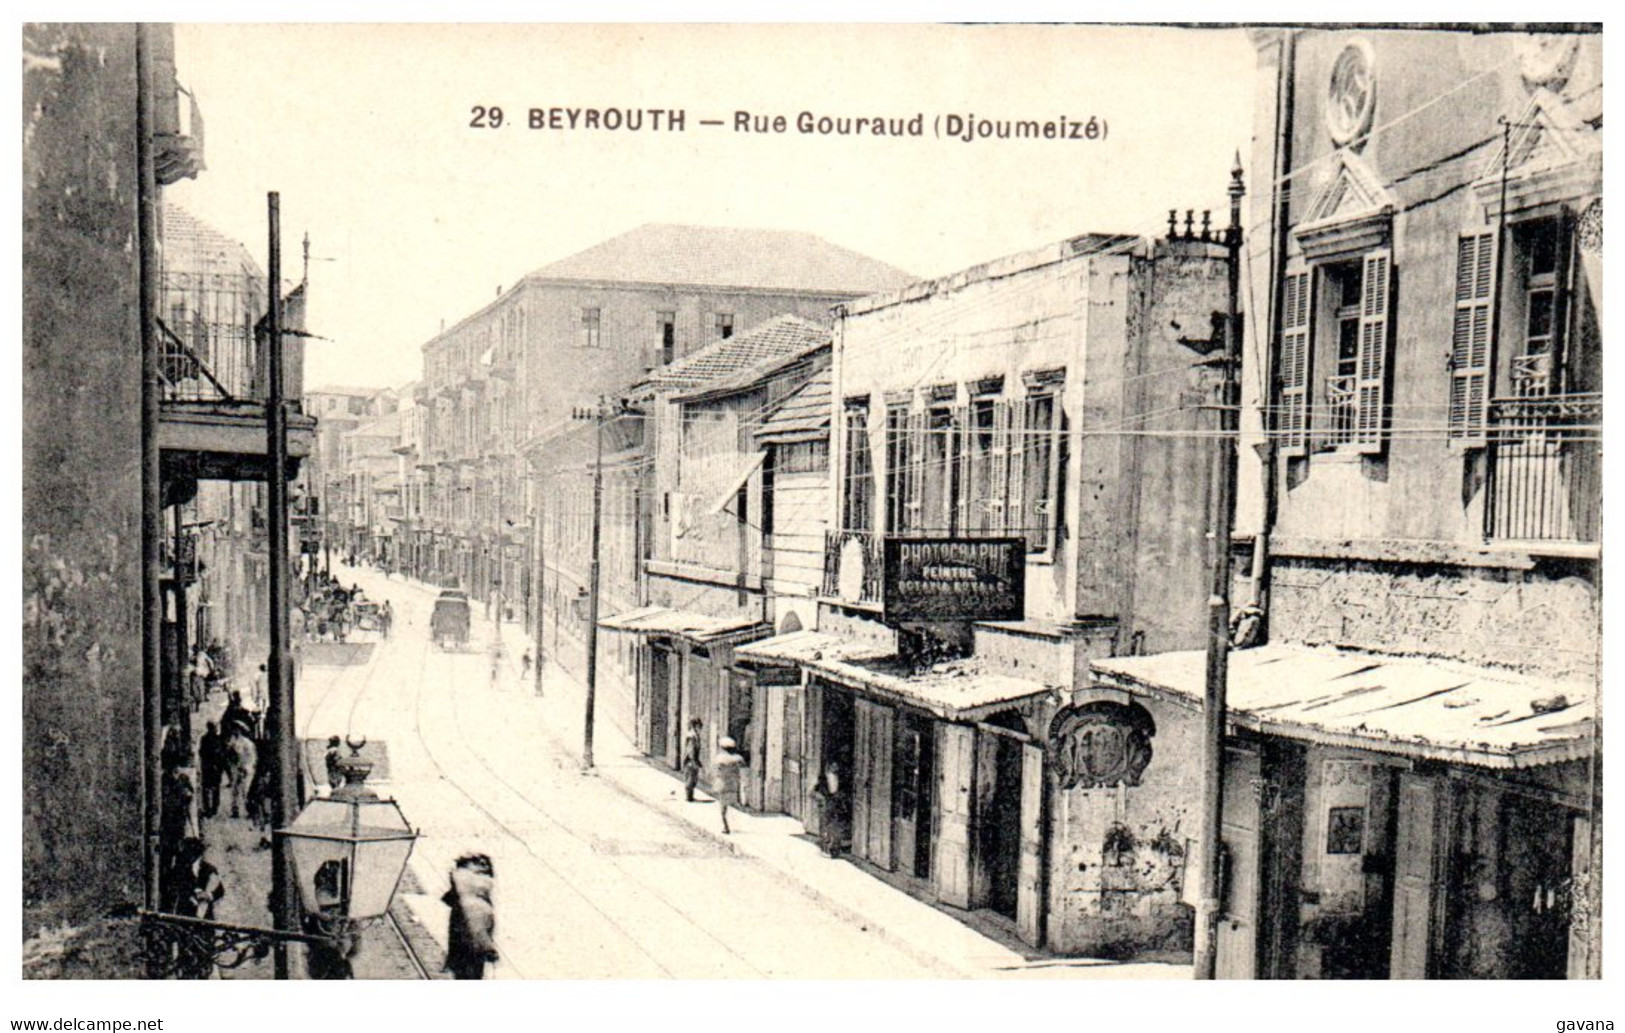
{"x": 82, "y": 657}
{"x": 1118, "y": 855}
{"x": 1527, "y": 622}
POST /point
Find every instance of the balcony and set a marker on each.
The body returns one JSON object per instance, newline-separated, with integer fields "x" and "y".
{"x": 1340, "y": 413}
{"x": 1545, "y": 469}
{"x": 852, "y": 567}
{"x": 215, "y": 429}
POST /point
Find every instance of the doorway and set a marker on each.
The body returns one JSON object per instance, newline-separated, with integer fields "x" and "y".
{"x": 660, "y": 697}
{"x": 913, "y": 802}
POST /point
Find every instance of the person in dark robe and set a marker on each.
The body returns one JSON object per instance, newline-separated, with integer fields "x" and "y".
{"x": 471, "y": 933}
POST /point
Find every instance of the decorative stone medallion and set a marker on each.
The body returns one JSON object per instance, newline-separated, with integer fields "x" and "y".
{"x": 1099, "y": 745}
{"x": 1351, "y": 93}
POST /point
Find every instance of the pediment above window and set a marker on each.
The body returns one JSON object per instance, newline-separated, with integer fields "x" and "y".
{"x": 1352, "y": 214}
{"x": 1550, "y": 157}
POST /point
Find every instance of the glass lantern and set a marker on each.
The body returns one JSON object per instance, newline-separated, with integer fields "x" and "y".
{"x": 349, "y": 851}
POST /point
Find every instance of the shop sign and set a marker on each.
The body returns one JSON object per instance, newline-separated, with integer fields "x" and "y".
{"x": 954, "y": 579}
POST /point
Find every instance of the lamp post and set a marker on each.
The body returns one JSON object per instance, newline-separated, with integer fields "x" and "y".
{"x": 349, "y": 851}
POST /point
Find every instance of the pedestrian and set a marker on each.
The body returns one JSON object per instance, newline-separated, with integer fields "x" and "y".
{"x": 471, "y": 931}
{"x": 335, "y": 776}
{"x": 236, "y": 716}
{"x": 200, "y": 889}
{"x": 727, "y": 762}
{"x": 830, "y": 793}
{"x": 524, "y": 663}
{"x": 241, "y": 764}
{"x": 211, "y": 768}
{"x": 496, "y": 661}
{"x": 260, "y": 680}
{"x": 692, "y": 752}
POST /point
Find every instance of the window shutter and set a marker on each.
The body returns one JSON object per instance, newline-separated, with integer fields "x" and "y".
{"x": 959, "y": 479}
{"x": 1014, "y": 507}
{"x": 914, "y": 472}
{"x": 1371, "y": 402}
{"x": 1470, "y": 339}
{"x": 1296, "y": 318}
{"x": 997, "y": 490}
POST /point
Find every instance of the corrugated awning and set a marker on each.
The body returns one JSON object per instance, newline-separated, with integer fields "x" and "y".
{"x": 1416, "y": 707}
{"x": 957, "y": 690}
{"x": 698, "y": 628}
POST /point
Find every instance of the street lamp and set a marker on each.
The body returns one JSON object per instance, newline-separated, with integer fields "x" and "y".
{"x": 349, "y": 851}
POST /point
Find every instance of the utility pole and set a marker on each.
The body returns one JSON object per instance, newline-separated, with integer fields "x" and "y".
{"x": 285, "y": 795}
{"x": 538, "y": 581}
{"x": 1221, "y": 516}
{"x": 152, "y": 513}
{"x": 598, "y": 416}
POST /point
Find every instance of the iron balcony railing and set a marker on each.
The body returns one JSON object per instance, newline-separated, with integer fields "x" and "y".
{"x": 1341, "y": 412}
{"x": 852, "y": 562}
{"x": 1545, "y": 468}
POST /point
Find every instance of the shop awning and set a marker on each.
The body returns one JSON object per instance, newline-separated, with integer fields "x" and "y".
{"x": 741, "y": 471}
{"x": 795, "y": 648}
{"x": 1421, "y": 708}
{"x": 699, "y": 628}
{"x": 958, "y": 690}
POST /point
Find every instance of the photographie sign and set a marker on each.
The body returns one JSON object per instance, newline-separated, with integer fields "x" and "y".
{"x": 954, "y": 579}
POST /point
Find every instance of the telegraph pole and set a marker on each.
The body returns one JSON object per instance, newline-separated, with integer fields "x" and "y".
{"x": 285, "y": 796}
{"x": 1218, "y": 648}
{"x": 598, "y": 416}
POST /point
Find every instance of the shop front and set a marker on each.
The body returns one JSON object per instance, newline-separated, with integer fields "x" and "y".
{"x": 1392, "y": 818}
{"x": 940, "y": 770}
{"x": 685, "y": 669}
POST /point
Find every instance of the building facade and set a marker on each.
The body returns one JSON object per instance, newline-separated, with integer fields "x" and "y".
{"x": 501, "y": 386}
{"x": 1019, "y": 431}
{"x": 1411, "y": 787}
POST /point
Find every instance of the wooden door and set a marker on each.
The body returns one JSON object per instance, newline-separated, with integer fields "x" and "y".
{"x": 793, "y": 753}
{"x": 1236, "y": 954}
{"x": 1581, "y": 917}
{"x": 1415, "y": 863}
{"x": 770, "y": 710}
{"x": 983, "y": 830}
{"x": 812, "y": 754}
{"x": 956, "y": 778}
{"x": 1030, "y": 880}
{"x": 862, "y": 778}
{"x": 872, "y": 753}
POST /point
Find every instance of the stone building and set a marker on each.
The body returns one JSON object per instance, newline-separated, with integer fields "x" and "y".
{"x": 1018, "y": 434}
{"x": 1411, "y": 784}
{"x": 500, "y": 387}
{"x": 712, "y": 513}
{"x": 101, "y": 685}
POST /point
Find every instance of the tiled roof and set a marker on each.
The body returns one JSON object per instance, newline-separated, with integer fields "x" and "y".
{"x": 762, "y": 347}
{"x": 804, "y": 412}
{"x": 192, "y": 245}
{"x": 717, "y": 256}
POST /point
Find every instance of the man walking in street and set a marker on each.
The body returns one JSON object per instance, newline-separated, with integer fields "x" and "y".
{"x": 212, "y": 769}
{"x": 728, "y": 761}
{"x": 691, "y": 759}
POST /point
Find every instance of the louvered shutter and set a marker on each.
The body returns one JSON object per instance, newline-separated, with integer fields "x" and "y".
{"x": 1470, "y": 339}
{"x": 1371, "y": 403}
{"x": 1296, "y": 320}
{"x": 914, "y": 472}
{"x": 959, "y": 503}
{"x": 995, "y": 493}
{"x": 1014, "y": 507}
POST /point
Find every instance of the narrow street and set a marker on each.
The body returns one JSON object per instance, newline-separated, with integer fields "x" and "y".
{"x": 591, "y": 882}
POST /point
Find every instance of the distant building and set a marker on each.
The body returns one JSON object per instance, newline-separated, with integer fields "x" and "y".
{"x": 500, "y": 386}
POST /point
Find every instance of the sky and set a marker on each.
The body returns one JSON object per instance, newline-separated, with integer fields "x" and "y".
{"x": 415, "y": 216}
